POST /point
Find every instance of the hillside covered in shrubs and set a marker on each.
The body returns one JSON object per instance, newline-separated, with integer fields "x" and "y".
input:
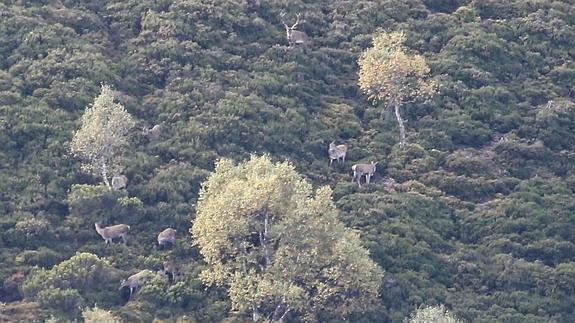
{"x": 475, "y": 214}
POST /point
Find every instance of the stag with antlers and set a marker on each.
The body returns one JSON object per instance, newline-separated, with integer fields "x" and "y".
{"x": 294, "y": 37}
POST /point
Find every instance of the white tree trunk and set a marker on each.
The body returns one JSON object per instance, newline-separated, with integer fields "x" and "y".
{"x": 401, "y": 126}
{"x": 105, "y": 176}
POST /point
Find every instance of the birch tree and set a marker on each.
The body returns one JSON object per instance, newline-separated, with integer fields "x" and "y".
{"x": 102, "y": 135}
{"x": 390, "y": 75}
{"x": 278, "y": 247}
{"x": 432, "y": 314}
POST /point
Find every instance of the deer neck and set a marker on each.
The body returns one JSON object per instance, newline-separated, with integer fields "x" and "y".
{"x": 99, "y": 229}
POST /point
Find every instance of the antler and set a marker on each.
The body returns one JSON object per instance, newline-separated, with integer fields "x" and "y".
{"x": 282, "y": 15}
{"x": 296, "y": 22}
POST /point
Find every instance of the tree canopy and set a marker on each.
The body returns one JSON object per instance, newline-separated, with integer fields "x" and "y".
{"x": 389, "y": 74}
{"x": 277, "y": 247}
{"x": 102, "y": 135}
{"x": 432, "y": 314}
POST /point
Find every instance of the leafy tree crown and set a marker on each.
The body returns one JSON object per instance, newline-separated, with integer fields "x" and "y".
{"x": 102, "y": 134}
{"x": 389, "y": 74}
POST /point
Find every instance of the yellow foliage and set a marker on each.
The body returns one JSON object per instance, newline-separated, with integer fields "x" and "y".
{"x": 102, "y": 135}
{"x": 388, "y": 74}
{"x": 272, "y": 240}
{"x": 98, "y": 315}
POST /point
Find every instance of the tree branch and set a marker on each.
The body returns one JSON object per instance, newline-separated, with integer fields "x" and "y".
{"x": 284, "y": 315}
{"x": 265, "y": 238}
{"x": 401, "y": 126}
{"x": 105, "y": 175}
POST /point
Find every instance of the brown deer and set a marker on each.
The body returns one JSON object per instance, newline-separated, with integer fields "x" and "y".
{"x": 112, "y": 232}
{"x": 154, "y": 133}
{"x": 336, "y": 152}
{"x": 170, "y": 271}
{"x": 136, "y": 281}
{"x": 294, "y": 37}
{"x": 363, "y": 169}
{"x": 119, "y": 182}
{"x": 168, "y": 236}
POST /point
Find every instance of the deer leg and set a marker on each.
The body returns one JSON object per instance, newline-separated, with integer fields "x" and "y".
{"x": 367, "y": 177}
{"x": 330, "y": 161}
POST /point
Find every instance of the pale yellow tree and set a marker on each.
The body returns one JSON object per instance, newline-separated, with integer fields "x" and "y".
{"x": 279, "y": 247}
{"x": 392, "y": 76}
{"x": 98, "y": 315}
{"x": 432, "y": 314}
{"x": 103, "y": 135}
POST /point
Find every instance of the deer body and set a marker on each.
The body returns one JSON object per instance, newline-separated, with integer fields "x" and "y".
{"x": 114, "y": 231}
{"x": 363, "y": 169}
{"x": 119, "y": 182}
{"x": 152, "y": 134}
{"x": 136, "y": 281}
{"x": 294, "y": 37}
{"x": 166, "y": 237}
{"x": 170, "y": 270}
{"x": 336, "y": 152}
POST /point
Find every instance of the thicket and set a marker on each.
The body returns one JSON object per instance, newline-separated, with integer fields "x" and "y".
{"x": 475, "y": 212}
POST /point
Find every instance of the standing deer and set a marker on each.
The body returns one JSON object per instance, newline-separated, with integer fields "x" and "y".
{"x": 336, "y": 152}
{"x": 168, "y": 236}
{"x": 112, "y": 232}
{"x": 294, "y": 37}
{"x": 119, "y": 182}
{"x": 170, "y": 271}
{"x": 136, "y": 281}
{"x": 363, "y": 169}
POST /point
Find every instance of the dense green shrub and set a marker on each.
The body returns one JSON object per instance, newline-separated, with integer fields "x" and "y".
{"x": 471, "y": 163}
{"x": 97, "y": 315}
{"x": 43, "y": 257}
{"x": 480, "y": 223}
{"x": 67, "y": 301}
{"x": 556, "y": 124}
{"x": 32, "y": 227}
{"x": 72, "y": 283}
{"x": 89, "y": 201}
{"x": 410, "y": 162}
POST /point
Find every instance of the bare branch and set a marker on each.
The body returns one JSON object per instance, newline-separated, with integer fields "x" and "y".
{"x": 285, "y": 313}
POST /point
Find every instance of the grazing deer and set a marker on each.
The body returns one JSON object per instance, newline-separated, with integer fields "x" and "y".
{"x": 170, "y": 271}
{"x": 294, "y": 37}
{"x": 112, "y": 232}
{"x": 336, "y": 152}
{"x": 168, "y": 236}
{"x": 154, "y": 133}
{"x": 136, "y": 281}
{"x": 119, "y": 182}
{"x": 363, "y": 169}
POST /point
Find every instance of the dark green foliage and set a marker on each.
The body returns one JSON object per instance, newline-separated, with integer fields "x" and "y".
{"x": 70, "y": 284}
{"x": 475, "y": 213}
